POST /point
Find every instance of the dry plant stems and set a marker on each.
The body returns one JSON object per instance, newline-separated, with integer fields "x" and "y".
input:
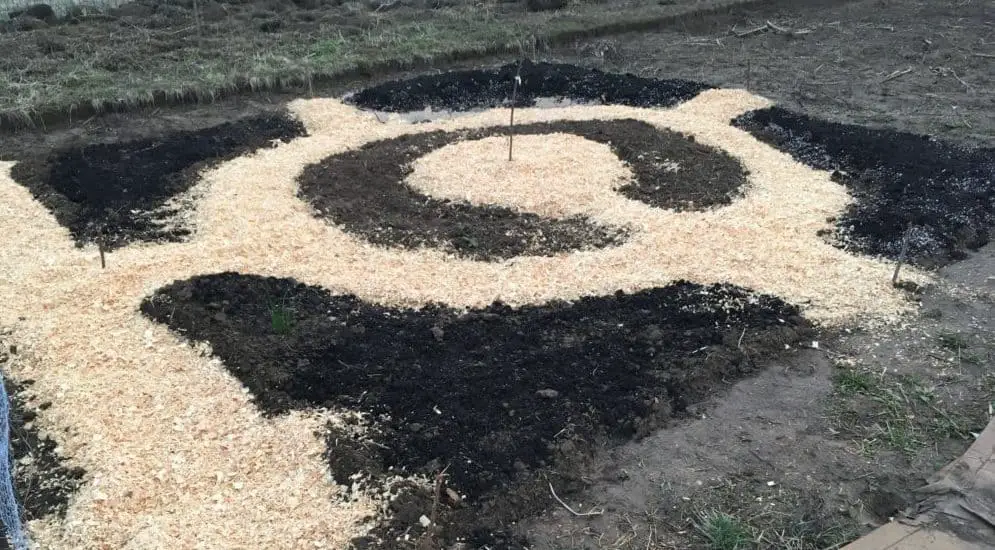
{"x": 432, "y": 530}
{"x": 571, "y": 510}
{"x": 896, "y": 74}
{"x": 206, "y": 457}
{"x": 769, "y": 26}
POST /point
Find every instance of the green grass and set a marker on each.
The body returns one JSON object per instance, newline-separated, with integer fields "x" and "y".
{"x": 281, "y": 319}
{"x": 119, "y": 66}
{"x": 740, "y": 514}
{"x": 852, "y": 381}
{"x": 901, "y": 412}
{"x": 724, "y": 532}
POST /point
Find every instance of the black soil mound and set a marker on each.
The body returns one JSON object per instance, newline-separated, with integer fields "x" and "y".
{"x": 496, "y": 396}
{"x": 473, "y": 89}
{"x": 942, "y": 194}
{"x": 363, "y": 191}
{"x": 121, "y": 192}
{"x": 42, "y": 482}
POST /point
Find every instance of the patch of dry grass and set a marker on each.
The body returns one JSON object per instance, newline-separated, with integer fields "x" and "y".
{"x": 112, "y": 63}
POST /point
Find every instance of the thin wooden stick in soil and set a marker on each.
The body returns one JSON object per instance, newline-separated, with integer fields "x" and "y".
{"x": 431, "y": 530}
{"x": 514, "y": 97}
{"x": 901, "y": 256}
{"x": 896, "y": 74}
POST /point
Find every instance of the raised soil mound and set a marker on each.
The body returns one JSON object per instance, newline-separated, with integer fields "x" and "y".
{"x": 120, "y": 193}
{"x": 941, "y": 194}
{"x": 479, "y": 89}
{"x": 500, "y": 398}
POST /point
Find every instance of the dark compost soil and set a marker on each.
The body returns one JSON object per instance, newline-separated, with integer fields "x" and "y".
{"x": 942, "y": 194}
{"x": 495, "y": 395}
{"x": 363, "y": 190}
{"x": 43, "y": 484}
{"x": 120, "y": 192}
{"x": 474, "y": 89}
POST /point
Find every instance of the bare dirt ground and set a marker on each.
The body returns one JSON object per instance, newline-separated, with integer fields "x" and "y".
{"x": 921, "y": 66}
{"x": 822, "y": 447}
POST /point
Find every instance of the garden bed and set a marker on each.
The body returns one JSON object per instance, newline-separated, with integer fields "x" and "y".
{"x": 359, "y": 333}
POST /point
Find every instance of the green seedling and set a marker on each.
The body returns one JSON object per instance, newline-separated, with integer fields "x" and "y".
{"x": 281, "y": 319}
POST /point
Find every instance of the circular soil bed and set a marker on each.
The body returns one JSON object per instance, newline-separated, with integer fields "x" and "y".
{"x": 364, "y": 190}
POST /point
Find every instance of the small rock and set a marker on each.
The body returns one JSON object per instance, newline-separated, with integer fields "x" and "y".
{"x": 548, "y": 394}
{"x": 220, "y": 316}
{"x": 438, "y": 333}
{"x": 415, "y": 427}
{"x": 424, "y": 521}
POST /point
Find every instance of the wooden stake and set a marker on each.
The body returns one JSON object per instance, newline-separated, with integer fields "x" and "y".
{"x": 511, "y": 124}
{"x": 100, "y": 247}
{"x": 901, "y": 256}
